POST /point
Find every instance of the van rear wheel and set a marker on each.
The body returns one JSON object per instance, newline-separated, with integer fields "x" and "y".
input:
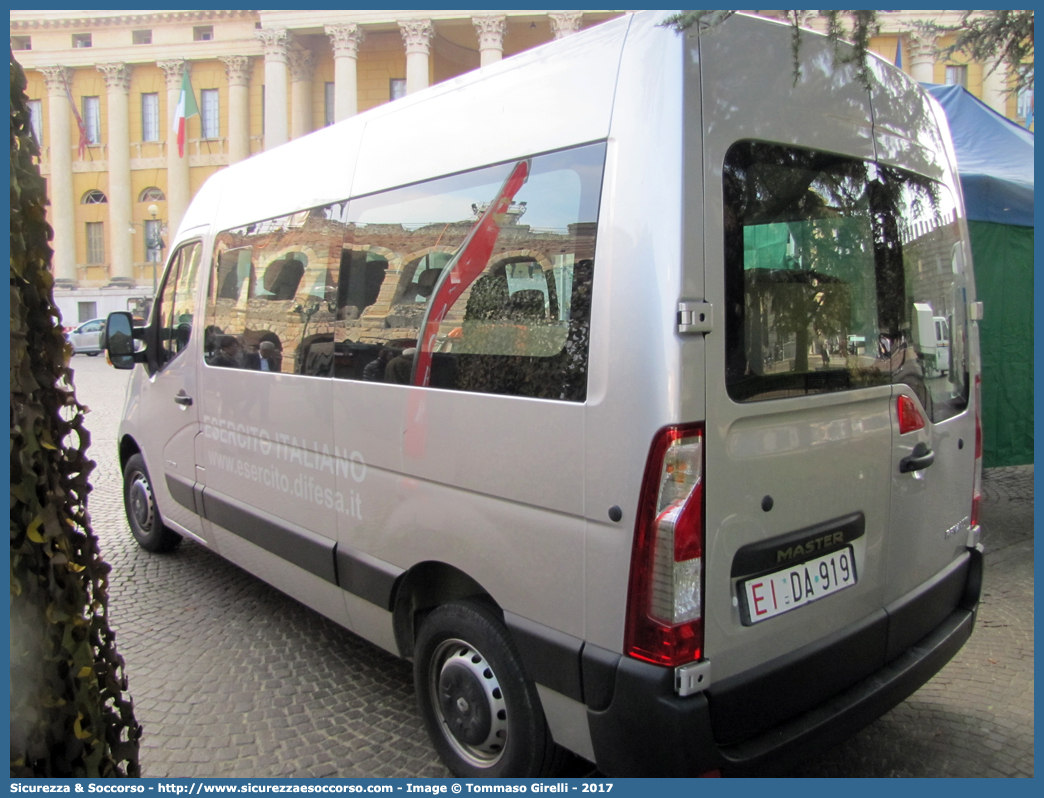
{"x": 144, "y": 519}
{"x": 482, "y": 714}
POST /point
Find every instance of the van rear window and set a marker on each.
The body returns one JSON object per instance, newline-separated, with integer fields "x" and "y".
{"x": 840, "y": 275}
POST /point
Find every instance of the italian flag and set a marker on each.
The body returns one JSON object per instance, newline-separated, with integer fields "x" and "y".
{"x": 186, "y": 107}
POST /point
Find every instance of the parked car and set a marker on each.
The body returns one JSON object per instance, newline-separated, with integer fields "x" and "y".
{"x": 87, "y": 338}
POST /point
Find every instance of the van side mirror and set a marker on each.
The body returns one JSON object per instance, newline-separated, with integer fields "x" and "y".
{"x": 118, "y": 338}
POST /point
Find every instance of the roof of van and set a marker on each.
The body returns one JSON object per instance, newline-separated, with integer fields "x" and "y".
{"x": 567, "y": 97}
{"x": 557, "y": 95}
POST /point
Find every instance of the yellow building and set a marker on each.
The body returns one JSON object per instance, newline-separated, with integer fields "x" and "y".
{"x": 259, "y": 79}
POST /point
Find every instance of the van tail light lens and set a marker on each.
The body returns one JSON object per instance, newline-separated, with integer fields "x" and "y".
{"x": 665, "y": 595}
{"x": 977, "y": 483}
{"x": 910, "y": 417}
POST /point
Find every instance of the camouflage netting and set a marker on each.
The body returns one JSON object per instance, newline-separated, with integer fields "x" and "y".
{"x": 70, "y": 714}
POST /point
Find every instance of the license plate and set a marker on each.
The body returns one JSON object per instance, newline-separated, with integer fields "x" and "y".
{"x": 782, "y": 591}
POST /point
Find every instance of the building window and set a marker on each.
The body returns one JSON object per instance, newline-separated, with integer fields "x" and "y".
{"x": 1025, "y": 106}
{"x": 208, "y": 113}
{"x": 153, "y": 241}
{"x": 397, "y": 88}
{"x": 151, "y": 194}
{"x": 21, "y": 43}
{"x": 203, "y": 33}
{"x": 86, "y": 311}
{"x": 93, "y": 197}
{"x": 92, "y": 119}
{"x": 328, "y": 119}
{"x": 81, "y": 40}
{"x": 36, "y": 120}
{"x": 141, "y": 36}
{"x": 957, "y": 76}
{"x": 150, "y": 117}
{"x": 95, "y": 242}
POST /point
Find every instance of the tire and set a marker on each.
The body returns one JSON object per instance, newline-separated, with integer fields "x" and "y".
{"x": 144, "y": 519}
{"x": 92, "y": 354}
{"x": 483, "y": 715}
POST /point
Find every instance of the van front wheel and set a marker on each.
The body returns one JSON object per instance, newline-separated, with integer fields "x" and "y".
{"x": 144, "y": 519}
{"x": 482, "y": 714}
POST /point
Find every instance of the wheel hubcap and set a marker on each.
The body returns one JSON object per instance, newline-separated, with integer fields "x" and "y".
{"x": 139, "y": 497}
{"x": 469, "y": 703}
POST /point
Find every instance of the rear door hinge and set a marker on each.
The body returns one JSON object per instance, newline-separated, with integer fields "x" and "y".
{"x": 695, "y": 317}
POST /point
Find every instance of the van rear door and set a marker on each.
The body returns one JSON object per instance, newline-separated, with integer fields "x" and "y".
{"x": 815, "y": 253}
{"x": 799, "y": 426}
{"x": 798, "y": 420}
{"x": 933, "y": 458}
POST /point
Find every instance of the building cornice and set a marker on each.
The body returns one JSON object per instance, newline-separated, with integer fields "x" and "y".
{"x": 137, "y": 54}
{"x": 121, "y": 20}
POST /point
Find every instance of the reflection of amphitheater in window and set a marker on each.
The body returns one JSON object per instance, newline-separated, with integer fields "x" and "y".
{"x": 339, "y": 284}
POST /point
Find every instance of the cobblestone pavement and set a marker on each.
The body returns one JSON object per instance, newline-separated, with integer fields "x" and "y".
{"x": 232, "y": 678}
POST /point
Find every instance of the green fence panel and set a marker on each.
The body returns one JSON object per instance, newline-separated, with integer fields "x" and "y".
{"x": 1004, "y": 284}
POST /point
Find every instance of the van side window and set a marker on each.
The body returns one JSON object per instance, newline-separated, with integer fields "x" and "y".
{"x": 272, "y": 297}
{"x": 176, "y": 303}
{"x": 835, "y": 270}
{"x": 512, "y": 285}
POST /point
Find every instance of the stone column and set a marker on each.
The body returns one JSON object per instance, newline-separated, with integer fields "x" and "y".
{"x": 922, "y": 57}
{"x": 274, "y": 43}
{"x": 490, "y": 32}
{"x": 565, "y": 22}
{"x": 60, "y": 183}
{"x": 238, "y": 69}
{"x": 995, "y": 86}
{"x": 417, "y": 35}
{"x": 345, "y": 41}
{"x": 121, "y": 253}
{"x": 179, "y": 190}
{"x": 302, "y": 65}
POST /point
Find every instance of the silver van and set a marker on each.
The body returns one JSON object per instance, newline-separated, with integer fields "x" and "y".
{"x": 541, "y": 378}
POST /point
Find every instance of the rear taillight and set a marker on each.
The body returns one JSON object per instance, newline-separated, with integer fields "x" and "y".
{"x": 665, "y": 594}
{"x": 910, "y": 417}
{"x": 977, "y": 483}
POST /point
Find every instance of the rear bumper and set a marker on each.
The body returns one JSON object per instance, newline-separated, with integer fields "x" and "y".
{"x": 640, "y": 727}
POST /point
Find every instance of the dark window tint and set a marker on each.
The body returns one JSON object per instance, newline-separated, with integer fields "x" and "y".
{"x": 495, "y": 266}
{"x": 346, "y": 292}
{"x": 928, "y": 339}
{"x": 272, "y": 297}
{"x": 836, "y": 273}
{"x": 176, "y": 305}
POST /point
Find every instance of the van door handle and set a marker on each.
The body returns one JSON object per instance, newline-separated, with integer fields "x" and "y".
{"x": 920, "y": 457}
{"x": 183, "y": 399}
